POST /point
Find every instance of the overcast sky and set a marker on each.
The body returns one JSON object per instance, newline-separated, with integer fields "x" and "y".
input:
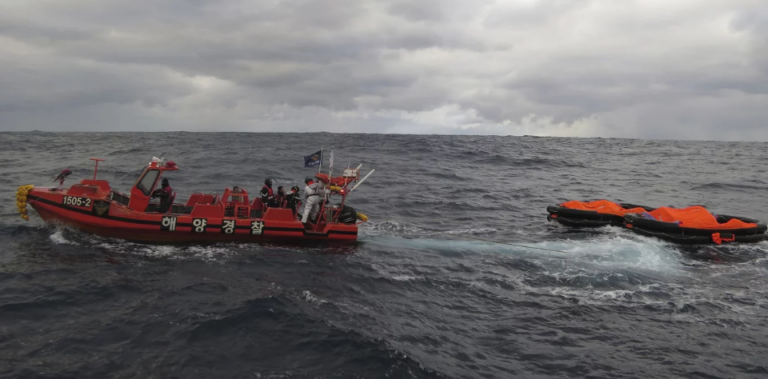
{"x": 678, "y": 69}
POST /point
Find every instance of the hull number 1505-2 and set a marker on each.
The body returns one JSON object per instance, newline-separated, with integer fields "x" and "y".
{"x": 78, "y": 201}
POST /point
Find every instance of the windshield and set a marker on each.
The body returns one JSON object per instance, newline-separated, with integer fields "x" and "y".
{"x": 148, "y": 181}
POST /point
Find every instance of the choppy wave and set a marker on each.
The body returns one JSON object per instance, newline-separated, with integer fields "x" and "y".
{"x": 728, "y": 186}
{"x": 457, "y": 275}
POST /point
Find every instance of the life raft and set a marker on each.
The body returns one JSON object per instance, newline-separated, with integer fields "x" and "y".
{"x": 592, "y": 213}
{"x": 695, "y": 225}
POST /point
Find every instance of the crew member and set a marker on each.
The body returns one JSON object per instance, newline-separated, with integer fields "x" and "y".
{"x": 166, "y": 196}
{"x": 267, "y": 196}
{"x": 280, "y": 197}
{"x": 237, "y": 195}
{"x": 313, "y": 195}
{"x": 63, "y": 175}
{"x": 293, "y": 199}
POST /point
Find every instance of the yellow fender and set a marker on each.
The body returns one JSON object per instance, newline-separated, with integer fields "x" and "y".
{"x": 21, "y": 200}
{"x": 362, "y": 217}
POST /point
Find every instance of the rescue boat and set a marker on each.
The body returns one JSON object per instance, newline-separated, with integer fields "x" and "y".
{"x": 95, "y": 207}
{"x": 592, "y": 213}
{"x": 695, "y": 225}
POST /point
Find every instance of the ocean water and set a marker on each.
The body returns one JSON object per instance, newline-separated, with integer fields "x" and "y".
{"x": 444, "y": 282}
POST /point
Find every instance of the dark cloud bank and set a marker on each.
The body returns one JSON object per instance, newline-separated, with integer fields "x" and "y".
{"x": 652, "y": 69}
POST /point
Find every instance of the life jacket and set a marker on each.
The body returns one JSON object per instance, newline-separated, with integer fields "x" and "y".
{"x": 237, "y": 197}
{"x": 167, "y": 198}
{"x": 165, "y": 194}
{"x": 267, "y": 196}
{"x": 292, "y": 199}
{"x": 280, "y": 200}
{"x": 269, "y": 193}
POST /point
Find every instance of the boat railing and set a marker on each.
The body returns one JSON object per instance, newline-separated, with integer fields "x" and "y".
{"x": 201, "y": 198}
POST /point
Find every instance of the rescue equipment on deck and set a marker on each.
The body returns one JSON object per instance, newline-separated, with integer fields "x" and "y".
{"x": 592, "y": 213}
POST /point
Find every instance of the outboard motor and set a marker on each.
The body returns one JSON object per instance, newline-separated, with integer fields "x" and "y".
{"x": 348, "y": 215}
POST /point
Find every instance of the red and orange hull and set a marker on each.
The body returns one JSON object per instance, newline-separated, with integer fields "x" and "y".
{"x": 104, "y": 217}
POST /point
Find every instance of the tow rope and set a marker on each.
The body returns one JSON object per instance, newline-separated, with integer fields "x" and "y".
{"x": 517, "y": 245}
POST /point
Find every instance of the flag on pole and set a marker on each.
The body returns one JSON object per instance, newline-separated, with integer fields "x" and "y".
{"x": 313, "y": 160}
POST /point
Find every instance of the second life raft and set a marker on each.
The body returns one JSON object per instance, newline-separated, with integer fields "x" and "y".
{"x": 695, "y": 225}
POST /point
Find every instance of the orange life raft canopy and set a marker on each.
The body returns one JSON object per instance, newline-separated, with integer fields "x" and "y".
{"x": 592, "y": 213}
{"x": 604, "y": 207}
{"x": 699, "y": 218}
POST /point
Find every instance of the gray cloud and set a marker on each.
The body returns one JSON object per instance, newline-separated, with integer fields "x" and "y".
{"x": 692, "y": 69}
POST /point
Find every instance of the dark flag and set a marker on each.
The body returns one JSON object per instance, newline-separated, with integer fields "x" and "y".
{"x": 313, "y": 159}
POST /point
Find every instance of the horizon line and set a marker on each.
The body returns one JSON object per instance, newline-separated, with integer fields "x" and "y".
{"x": 385, "y": 134}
